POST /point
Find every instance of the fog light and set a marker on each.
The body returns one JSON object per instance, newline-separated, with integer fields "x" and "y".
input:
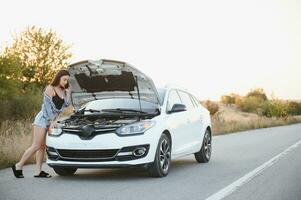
{"x": 125, "y": 154}
{"x": 52, "y": 153}
{"x": 140, "y": 151}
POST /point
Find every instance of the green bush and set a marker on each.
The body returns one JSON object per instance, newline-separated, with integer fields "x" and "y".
{"x": 21, "y": 106}
{"x": 294, "y": 108}
{"x": 251, "y": 104}
{"x": 275, "y": 108}
{"x": 9, "y": 88}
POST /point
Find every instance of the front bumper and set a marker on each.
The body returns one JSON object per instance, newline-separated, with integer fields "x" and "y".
{"x": 95, "y": 165}
{"x": 107, "y": 150}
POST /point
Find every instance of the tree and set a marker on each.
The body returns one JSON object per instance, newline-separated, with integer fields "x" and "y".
{"x": 9, "y": 75}
{"x": 41, "y": 53}
{"x": 10, "y": 68}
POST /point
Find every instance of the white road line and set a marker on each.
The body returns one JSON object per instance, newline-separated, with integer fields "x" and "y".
{"x": 243, "y": 180}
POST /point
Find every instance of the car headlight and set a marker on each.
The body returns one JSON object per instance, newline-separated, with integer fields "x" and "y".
{"x": 55, "y": 131}
{"x": 135, "y": 128}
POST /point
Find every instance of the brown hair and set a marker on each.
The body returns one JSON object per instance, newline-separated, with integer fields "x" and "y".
{"x": 57, "y": 78}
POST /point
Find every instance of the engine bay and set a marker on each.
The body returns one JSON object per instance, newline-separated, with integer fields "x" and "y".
{"x": 76, "y": 122}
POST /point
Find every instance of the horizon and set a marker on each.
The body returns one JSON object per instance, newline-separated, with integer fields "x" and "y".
{"x": 209, "y": 48}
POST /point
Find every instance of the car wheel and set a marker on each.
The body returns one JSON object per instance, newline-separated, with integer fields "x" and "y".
{"x": 161, "y": 164}
{"x": 64, "y": 171}
{"x": 203, "y": 156}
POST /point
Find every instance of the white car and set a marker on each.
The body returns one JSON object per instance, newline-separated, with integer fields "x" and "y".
{"x": 120, "y": 119}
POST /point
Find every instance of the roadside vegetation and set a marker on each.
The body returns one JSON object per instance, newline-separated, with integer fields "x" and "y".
{"x": 254, "y": 110}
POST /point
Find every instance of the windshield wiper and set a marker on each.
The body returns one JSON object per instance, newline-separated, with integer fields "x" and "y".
{"x": 122, "y": 110}
{"x": 116, "y": 110}
{"x": 90, "y": 110}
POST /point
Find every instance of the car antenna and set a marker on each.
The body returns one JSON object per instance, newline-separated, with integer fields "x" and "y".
{"x": 138, "y": 96}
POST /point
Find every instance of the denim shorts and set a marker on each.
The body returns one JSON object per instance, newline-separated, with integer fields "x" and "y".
{"x": 41, "y": 121}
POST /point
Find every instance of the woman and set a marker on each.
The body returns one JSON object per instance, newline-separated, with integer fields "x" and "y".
{"x": 56, "y": 99}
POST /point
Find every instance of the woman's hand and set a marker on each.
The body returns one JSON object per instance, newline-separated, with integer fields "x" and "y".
{"x": 51, "y": 126}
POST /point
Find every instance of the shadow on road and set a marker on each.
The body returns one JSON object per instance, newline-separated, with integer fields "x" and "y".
{"x": 177, "y": 166}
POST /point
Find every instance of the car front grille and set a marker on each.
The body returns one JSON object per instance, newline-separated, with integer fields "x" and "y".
{"x": 98, "y": 130}
{"x": 84, "y": 135}
{"x": 88, "y": 155}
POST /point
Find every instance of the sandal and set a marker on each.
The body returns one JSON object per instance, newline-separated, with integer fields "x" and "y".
{"x": 43, "y": 174}
{"x": 17, "y": 173}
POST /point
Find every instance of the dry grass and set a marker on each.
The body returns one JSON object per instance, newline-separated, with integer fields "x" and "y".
{"x": 15, "y": 138}
{"x": 229, "y": 119}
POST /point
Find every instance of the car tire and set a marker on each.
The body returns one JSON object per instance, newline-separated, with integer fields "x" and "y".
{"x": 204, "y": 155}
{"x": 64, "y": 171}
{"x": 160, "y": 166}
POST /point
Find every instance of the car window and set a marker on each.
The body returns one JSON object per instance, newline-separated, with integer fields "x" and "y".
{"x": 173, "y": 98}
{"x": 192, "y": 100}
{"x": 161, "y": 93}
{"x": 186, "y": 100}
{"x": 195, "y": 101}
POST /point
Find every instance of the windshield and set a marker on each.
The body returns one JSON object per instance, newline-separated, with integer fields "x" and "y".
{"x": 130, "y": 104}
{"x": 161, "y": 93}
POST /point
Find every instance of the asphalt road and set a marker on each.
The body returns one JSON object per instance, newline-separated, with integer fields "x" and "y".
{"x": 257, "y": 164}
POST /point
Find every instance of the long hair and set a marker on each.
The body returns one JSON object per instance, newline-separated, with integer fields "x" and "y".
{"x": 57, "y": 78}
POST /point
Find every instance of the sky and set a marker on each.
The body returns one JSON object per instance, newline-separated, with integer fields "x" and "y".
{"x": 211, "y": 48}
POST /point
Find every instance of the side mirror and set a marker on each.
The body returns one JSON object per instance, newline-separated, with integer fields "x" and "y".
{"x": 177, "y": 108}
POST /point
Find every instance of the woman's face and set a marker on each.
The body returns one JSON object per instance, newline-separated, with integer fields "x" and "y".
{"x": 64, "y": 80}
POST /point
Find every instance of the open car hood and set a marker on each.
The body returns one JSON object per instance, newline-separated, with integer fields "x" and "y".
{"x": 102, "y": 79}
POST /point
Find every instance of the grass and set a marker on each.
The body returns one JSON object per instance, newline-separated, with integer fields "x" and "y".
{"x": 222, "y": 127}
{"x": 229, "y": 119}
{"x": 16, "y": 136}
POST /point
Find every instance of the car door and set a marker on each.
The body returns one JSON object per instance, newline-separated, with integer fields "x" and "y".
{"x": 176, "y": 123}
{"x": 201, "y": 118}
{"x": 193, "y": 127}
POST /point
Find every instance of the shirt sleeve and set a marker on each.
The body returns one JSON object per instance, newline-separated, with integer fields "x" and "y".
{"x": 49, "y": 110}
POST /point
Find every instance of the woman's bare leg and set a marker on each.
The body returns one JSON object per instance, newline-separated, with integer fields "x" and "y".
{"x": 38, "y": 141}
{"x": 39, "y": 158}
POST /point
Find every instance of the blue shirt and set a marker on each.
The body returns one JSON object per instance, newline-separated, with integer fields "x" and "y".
{"x": 50, "y": 112}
